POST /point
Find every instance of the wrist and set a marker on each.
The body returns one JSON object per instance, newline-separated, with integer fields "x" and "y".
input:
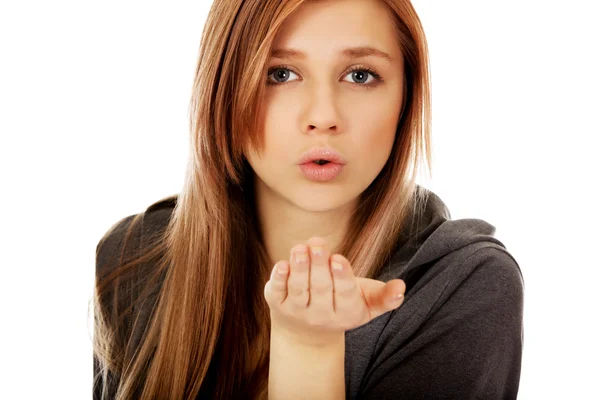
{"x": 301, "y": 364}
{"x": 307, "y": 341}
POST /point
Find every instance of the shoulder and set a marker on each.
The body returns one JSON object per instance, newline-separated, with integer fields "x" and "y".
{"x": 125, "y": 237}
{"x": 158, "y": 213}
{"x": 462, "y": 330}
{"x": 491, "y": 266}
{"x": 157, "y": 216}
{"x": 479, "y": 276}
{"x": 493, "y": 290}
{"x": 480, "y": 294}
{"x": 165, "y": 204}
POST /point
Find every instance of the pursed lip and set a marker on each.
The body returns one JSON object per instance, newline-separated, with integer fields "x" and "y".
{"x": 321, "y": 153}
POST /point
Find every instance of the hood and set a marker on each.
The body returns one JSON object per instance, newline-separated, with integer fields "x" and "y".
{"x": 435, "y": 235}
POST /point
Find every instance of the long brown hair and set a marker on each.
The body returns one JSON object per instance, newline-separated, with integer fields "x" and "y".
{"x": 209, "y": 330}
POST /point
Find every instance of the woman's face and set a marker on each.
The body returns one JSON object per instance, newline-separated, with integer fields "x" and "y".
{"x": 322, "y": 94}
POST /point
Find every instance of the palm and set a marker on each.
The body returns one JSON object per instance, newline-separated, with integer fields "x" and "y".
{"x": 313, "y": 299}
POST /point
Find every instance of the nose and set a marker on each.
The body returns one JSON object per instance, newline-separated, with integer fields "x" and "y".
{"x": 321, "y": 112}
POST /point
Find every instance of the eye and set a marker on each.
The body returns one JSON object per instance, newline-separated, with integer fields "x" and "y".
{"x": 361, "y": 75}
{"x": 280, "y": 75}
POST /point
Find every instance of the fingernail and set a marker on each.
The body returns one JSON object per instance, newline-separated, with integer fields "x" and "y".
{"x": 316, "y": 250}
{"x": 301, "y": 257}
{"x": 398, "y": 296}
{"x": 282, "y": 269}
{"x": 336, "y": 266}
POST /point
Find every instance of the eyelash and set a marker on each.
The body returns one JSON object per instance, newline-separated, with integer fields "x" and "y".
{"x": 371, "y": 85}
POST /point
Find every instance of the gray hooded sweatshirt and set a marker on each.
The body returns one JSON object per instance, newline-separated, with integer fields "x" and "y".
{"x": 459, "y": 331}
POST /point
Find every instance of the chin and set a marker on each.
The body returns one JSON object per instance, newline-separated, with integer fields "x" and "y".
{"x": 317, "y": 202}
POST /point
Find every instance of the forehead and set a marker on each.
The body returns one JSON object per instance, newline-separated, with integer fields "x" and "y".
{"x": 323, "y": 27}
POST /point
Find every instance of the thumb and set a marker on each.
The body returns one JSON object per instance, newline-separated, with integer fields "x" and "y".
{"x": 381, "y": 296}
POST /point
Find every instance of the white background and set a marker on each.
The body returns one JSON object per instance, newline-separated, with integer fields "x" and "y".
{"x": 93, "y": 127}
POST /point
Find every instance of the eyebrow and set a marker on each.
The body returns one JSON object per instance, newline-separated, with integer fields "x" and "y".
{"x": 353, "y": 52}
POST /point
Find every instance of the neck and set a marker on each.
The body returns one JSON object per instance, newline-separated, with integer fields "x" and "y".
{"x": 285, "y": 225}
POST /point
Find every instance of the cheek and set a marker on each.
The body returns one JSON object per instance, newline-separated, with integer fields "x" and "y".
{"x": 277, "y": 117}
{"x": 274, "y": 133}
{"x": 377, "y": 130}
{"x": 374, "y": 142}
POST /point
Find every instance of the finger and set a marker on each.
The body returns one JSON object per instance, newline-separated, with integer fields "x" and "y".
{"x": 321, "y": 279}
{"x": 345, "y": 289}
{"x": 298, "y": 284}
{"x": 382, "y": 297}
{"x": 278, "y": 282}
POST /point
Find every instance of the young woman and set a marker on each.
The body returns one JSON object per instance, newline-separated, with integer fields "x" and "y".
{"x": 279, "y": 268}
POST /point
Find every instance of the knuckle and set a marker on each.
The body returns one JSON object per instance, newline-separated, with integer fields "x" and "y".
{"x": 297, "y": 291}
{"x": 322, "y": 289}
{"x": 278, "y": 282}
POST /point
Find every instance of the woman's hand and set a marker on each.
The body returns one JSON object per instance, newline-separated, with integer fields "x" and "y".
{"x": 313, "y": 302}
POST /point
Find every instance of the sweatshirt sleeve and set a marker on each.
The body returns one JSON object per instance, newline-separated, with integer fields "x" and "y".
{"x": 469, "y": 348}
{"x": 108, "y": 252}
